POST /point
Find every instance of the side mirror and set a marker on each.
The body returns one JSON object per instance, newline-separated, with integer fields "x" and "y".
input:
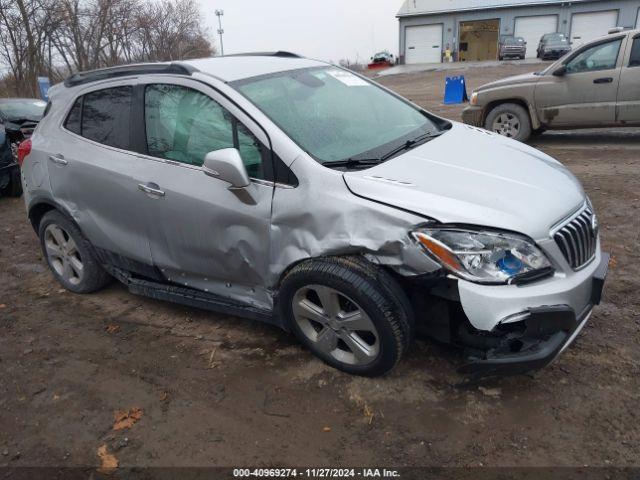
{"x": 560, "y": 71}
{"x": 226, "y": 164}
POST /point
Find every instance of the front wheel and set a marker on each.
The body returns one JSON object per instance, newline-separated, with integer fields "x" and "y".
{"x": 509, "y": 120}
{"x": 349, "y": 313}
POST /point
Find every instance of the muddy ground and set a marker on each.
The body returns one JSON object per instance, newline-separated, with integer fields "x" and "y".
{"x": 216, "y": 390}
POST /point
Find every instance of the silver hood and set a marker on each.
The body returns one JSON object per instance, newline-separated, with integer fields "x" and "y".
{"x": 472, "y": 176}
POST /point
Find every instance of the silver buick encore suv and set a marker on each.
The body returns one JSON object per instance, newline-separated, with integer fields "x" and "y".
{"x": 298, "y": 193}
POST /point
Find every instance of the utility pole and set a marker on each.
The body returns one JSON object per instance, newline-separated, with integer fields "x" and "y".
{"x": 219, "y": 14}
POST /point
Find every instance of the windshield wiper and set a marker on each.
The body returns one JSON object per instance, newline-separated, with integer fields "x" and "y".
{"x": 370, "y": 162}
{"x": 354, "y": 163}
{"x": 411, "y": 143}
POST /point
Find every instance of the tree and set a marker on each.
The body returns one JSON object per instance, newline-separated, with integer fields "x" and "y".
{"x": 25, "y": 28}
{"x": 58, "y": 37}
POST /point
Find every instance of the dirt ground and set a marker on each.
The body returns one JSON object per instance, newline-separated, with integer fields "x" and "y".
{"x": 216, "y": 390}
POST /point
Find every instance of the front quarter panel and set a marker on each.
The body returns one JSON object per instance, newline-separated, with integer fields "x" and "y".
{"x": 322, "y": 217}
{"x": 520, "y": 91}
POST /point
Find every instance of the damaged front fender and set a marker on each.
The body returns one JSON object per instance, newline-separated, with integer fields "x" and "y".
{"x": 322, "y": 217}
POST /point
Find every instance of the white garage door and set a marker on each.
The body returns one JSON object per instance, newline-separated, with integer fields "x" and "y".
{"x": 533, "y": 28}
{"x": 423, "y": 44}
{"x": 589, "y": 26}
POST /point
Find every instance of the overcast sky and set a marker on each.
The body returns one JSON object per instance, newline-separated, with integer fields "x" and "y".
{"x": 323, "y": 29}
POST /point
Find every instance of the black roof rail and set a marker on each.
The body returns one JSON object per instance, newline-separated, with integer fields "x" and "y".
{"x": 126, "y": 70}
{"x": 279, "y": 53}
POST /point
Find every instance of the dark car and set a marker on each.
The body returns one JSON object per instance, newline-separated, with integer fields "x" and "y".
{"x": 9, "y": 171}
{"x": 553, "y": 46}
{"x": 514, "y": 47}
{"x": 18, "y": 119}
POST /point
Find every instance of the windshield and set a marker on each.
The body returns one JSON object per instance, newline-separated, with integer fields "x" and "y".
{"x": 513, "y": 41}
{"x": 335, "y": 115}
{"x": 556, "y": 38}
{"x": 27, "y": 109}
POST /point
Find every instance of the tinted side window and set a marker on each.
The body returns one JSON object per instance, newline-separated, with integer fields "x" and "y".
{"x": 634, "y": 60}
{"x": 184, "y": 125}
{"x": 106, "y": 116}
{"x": 72, "y": 123}
{"x": 599, "y": 57}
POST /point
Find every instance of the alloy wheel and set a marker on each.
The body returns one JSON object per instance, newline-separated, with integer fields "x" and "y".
{"x": 63, "y": 254}
{"x": 336, "y": 324}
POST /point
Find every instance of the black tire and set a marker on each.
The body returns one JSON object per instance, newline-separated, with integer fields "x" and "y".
{"x": 372, "y": 289}
{"x": 14, "y": 188}
{"x": 93, "y": 276}
{"x": 511, "y": 109}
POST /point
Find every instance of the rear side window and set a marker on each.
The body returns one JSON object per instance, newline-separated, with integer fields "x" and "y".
{"x": 73, "y": 119}
{"x": 634, "y": 60}
{"x": 106, "y": 116}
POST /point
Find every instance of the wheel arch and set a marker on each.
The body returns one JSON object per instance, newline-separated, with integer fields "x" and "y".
{"x": 40, "y": 207}
{"x": 535, "y": 123}
{"x": 353, "y": 256}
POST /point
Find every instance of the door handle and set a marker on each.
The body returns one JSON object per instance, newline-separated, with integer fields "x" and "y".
{"x": 603, "y": 80}
{"x": 58, "y": 159}
{"x": 151, "y": 189}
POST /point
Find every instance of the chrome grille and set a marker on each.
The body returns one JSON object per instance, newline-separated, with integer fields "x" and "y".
{"x": 578, "y": 238}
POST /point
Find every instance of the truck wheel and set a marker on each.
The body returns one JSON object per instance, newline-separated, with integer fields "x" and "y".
{"x": 70, "y": 255}
{"x": 349, "y": 313}
{"x": 509, "y": 120}
{"x": 14, "y": 188}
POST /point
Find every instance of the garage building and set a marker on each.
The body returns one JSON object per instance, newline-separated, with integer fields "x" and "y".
{"x": 471, "y": 29}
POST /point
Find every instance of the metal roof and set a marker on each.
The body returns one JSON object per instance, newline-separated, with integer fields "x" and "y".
{"x": 432, "y": 7}
{"x": 231, "y": 68}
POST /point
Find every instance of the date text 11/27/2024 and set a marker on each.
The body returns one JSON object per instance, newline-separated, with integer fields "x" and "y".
{"x": 315, "y": 473}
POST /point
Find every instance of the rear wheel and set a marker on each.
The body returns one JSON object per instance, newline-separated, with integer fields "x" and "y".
{"x": 14, "y": 188}
{"x": 352, "y": 315}
{"x": 70, "y": 255}
{"x": 509, "y": 120}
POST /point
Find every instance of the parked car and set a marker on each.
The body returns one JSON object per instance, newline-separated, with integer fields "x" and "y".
{"x": 553, "y": 46}
{"x": 512, "y": 47}
{"x": 10, "y": 184}
{"x": 298, "y": 193}
{"x": 595, "y": 86}
{"x": 18, "y": 119}
{"x": 382, "y": 60}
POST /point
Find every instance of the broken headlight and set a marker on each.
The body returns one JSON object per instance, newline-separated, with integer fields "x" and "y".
{"x": 484, "y": 256}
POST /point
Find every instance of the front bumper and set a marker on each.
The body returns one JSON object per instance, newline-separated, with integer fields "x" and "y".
{"x": 554, "y": 54}
{"x": 547, "y": 332}
{"x": 513, "y": 53}
{"x": 9, "y": 167}
{"x": 473, "y": 115}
